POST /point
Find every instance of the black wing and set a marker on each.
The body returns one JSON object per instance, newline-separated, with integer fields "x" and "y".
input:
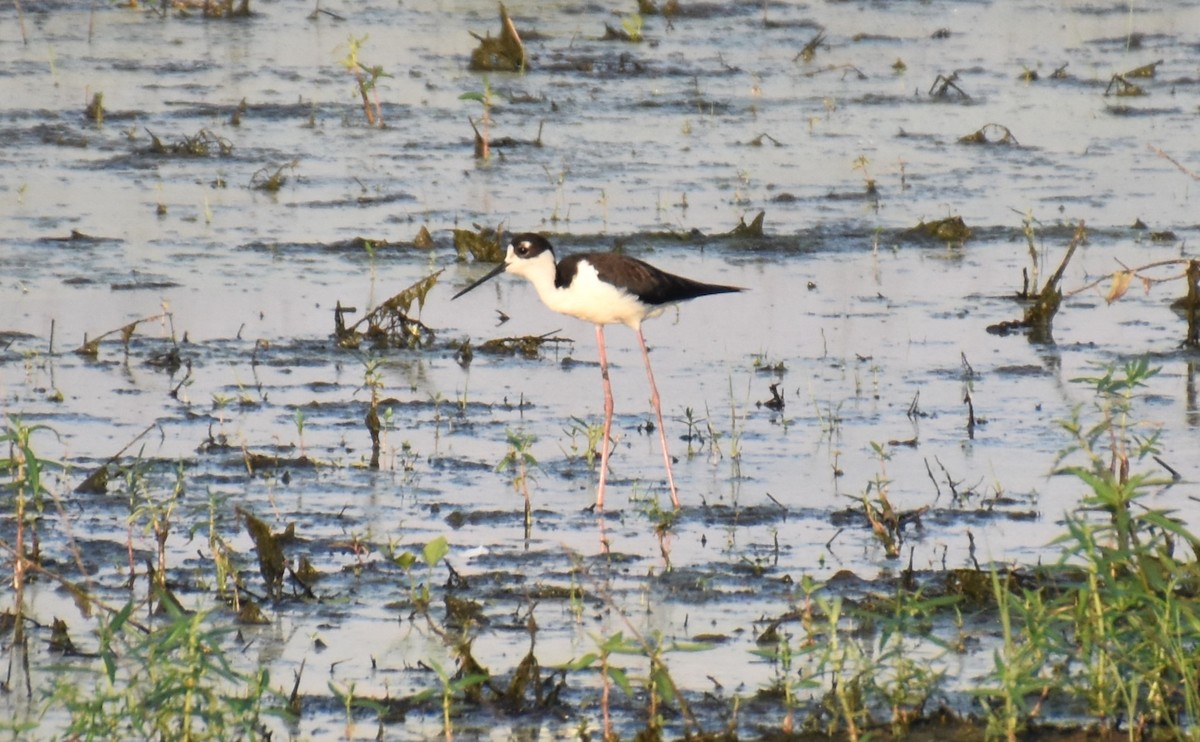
{"x": 649, "y": 284}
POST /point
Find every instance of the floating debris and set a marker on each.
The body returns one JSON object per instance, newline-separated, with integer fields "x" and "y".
{"x": 212, "y": 8}
{"x": 1121, "y": 87}
{"x": 484, "y": 244}
{"x": 91, "y": 348}
{"x": 753, "y": 229}
{"x": 1039, "y": 315}
{"x": 202, "y": 144}
{"x": 503, "y": 54}
{"x": 776, "y": 401}
{"x": 950, "y": 229}
{"x": 942, "y": 85}
{"x": 423, "y": 240}
{"x": 266, "y": 180}
{"x": 809, "y": 52}
{"x": 1145, "y": 71}
{"x": 527, "y": 345}
{"x": 388, "y": 325}
{"x": 95, "y": 110}
{"x": 271, "y": 562}
{"x": 991, "y": 134}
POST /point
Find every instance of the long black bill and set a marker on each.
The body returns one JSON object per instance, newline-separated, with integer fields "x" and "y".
{"x": 492, "y": 274}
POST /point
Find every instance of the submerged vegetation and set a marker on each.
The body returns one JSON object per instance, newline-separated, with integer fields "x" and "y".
{"x": 265, "y": 529}
{"x": 1104, "y": 634}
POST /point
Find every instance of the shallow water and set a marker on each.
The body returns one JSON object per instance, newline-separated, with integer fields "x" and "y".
{"x": 636, "y": 141}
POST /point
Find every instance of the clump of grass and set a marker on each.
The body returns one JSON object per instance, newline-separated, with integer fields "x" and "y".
{"x": 201, "y": 144}
{"x": 175, "y": 681}
{"x": 1121, "y": 635}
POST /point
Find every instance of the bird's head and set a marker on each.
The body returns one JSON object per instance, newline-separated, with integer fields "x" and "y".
{"x": 528, "y": 253}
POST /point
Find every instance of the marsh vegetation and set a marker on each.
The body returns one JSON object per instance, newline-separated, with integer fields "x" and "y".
{"x": 262, "y": 480}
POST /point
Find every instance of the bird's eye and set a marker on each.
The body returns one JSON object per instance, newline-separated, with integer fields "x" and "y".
{"x": 523, "y": 248}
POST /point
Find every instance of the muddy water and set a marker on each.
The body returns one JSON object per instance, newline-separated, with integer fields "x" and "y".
{"x": 661, "y": 147}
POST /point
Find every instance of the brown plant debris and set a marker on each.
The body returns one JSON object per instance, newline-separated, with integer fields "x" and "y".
{"x": 95, "y": 110}
{"x": 96, "y": 483}
{"x": 1121, "y": 87}
{"x": 618, "y": 34}
{"x": 271, "y": 562}
{"x": 389, "y": 324}
{"x": 943, "y": 85}
{"x": 503, "y": 54}
{"x": 809, "y": 52}
{"x": 1193, "y": 304}
{"x": 251, "y": 615}
{"x": 776, "y": 402}
{"x": 950, "y": 229}
{"x": 1186, "y": 171}
{"x": 527, "y": 345}
{"x": 271, "y": 181}
{"x": 423, "y": 240}
{"x": 213, "y": 8}
{"x": 202, "y": 144}
{"x": 484, "y": 244}
{"x": 1188, "y": 305}
{"x": 80, "y": 237}
{"x": 91, "y": 348}
{"x": 1039, "y": 315}
{"x": 753, "y": 229}
{"x": 1145, "y": 71}
{"x": 256, "y": 462}
{"x": 991, "y": 134}
{"x": 648, "y": 7}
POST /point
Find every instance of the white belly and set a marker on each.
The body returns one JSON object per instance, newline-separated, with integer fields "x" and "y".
{"x": 595, "y": 301}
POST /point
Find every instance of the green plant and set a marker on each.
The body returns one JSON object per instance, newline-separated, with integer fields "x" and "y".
{"x": 885, "y": 521}
{"x": 351, "y": 701}
{"x": 24, "y": 468}
{"x": 175, "y": 681}
{"x": 1122, "y": 631}
{"x": 736, "y": 428}
{"x": 862, "y": 163}
{"x": 1015, "y": 666}
{"x": 660, "y": 687}
{"x": 431, "y": 554}
{"x": 154, "y": 512}
{"x": 298, "y": 419}
{"x": 486, "y": 99}
{"x": 592, "y": 435}
{"x": 786, "y": 681}
{"x": 839, "y": 657}
{"x": 1130, "y": 626}
{"x": 366, "y": 79}
{"x": 633, "y": 26}
{"x": 519, "y": 459}
{"x": 904, "y": 678}
{"x": 693, "y": 435}
{"x": 451, "y": 686}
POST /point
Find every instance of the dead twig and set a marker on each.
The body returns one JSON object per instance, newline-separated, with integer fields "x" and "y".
{"x": 1190, "y": 173}
{"x": 942, "y": 86}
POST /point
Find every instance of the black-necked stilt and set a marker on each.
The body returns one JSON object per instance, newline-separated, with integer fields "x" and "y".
{"x": 603, "y": 288}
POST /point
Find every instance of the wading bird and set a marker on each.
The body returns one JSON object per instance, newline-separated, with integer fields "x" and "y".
{"x": 603, "y": 288}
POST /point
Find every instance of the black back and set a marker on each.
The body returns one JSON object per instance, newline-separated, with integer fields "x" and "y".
{"x": 649, "y": 284}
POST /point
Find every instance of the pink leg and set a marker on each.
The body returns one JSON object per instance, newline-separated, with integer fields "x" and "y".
{"x": 608, "y": 413}
{"x": 662, "y": 432}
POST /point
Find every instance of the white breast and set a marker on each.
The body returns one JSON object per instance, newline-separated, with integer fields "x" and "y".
{"x": 591, "y": 299}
